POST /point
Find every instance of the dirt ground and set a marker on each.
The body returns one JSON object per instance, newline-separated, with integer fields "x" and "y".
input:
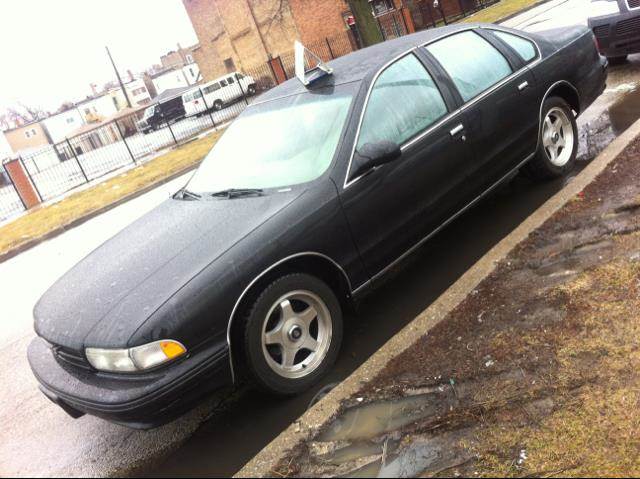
{"x": 536, "y": 373}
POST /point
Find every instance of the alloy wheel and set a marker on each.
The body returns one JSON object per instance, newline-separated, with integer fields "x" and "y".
{"x": 558, "y": 137}
{"x": 296, "y": 334}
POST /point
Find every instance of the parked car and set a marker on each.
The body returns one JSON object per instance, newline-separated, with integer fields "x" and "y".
{"x": 616, "y": 25}
{"x": 218, "y": 93}
{"x": 158, "y": 115}
{"x": 305, "y": 202}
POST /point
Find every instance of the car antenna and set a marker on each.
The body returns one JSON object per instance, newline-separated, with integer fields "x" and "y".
{"x": 304, "y": 57}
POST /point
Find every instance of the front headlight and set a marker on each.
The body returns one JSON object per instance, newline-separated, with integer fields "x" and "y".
{"x": 135, "y": 359}
{"x": 602, "y": 8}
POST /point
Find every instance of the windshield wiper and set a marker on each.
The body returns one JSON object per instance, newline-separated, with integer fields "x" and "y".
{"x": 185, "y": 193}
{"x": 238, "y": 192}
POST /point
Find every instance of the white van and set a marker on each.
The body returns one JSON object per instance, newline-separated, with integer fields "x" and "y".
{"x": 218, "y": 93}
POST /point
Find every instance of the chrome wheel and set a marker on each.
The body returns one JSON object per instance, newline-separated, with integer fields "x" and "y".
{"x": 296, "y": 334}
{"x": 558, "y": 137}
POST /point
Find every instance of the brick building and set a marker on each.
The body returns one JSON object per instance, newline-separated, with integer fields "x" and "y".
{"x": 241, "y": 34}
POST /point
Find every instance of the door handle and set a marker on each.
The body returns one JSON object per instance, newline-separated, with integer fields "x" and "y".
{"x": 523, "y": 86}
{"x": 458, "y": 129}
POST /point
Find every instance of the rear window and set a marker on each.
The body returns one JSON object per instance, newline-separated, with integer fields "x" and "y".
{"x": 473, "y": 63}
{"x": 524, "y": 47}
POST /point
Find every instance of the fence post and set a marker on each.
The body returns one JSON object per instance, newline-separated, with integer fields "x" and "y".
{"x": 21, "y": 181}
{"x": 326, "y": 39}
{"x": 133, "y": 158}
{"x": 171, "y": 131}
{"x": 244, "y": 94}
{"x": 73, "y": 152}
{"x": 206, "y": 107}
{"x": 278, "y": 70}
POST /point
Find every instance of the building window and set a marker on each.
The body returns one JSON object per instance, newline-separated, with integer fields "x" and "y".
{"x": 380, "y": 7}
{"x": 230, "y": 65}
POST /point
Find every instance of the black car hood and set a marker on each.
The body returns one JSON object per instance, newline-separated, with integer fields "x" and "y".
{"x": 120, "y": 284}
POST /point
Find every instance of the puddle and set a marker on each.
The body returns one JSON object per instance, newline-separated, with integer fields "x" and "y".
{"x": 626, "y": 111}
{"x": 423, "y": 456}
{"x": 371, "y": 420}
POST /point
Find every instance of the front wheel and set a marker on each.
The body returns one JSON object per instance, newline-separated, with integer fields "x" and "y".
{"x": 293, "y": 333}
{"x": 217, "y": 105}
{"x": 558, "y": 142}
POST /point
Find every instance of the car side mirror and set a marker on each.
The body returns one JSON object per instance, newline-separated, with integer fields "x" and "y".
{"x": 373, "y": 155}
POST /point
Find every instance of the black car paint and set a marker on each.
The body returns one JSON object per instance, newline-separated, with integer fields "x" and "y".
{"x": 618, "y": 34}
{"x": 182, "y": 271}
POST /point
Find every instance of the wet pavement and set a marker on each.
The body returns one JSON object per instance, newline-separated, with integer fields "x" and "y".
{"x": 223, "y": 435}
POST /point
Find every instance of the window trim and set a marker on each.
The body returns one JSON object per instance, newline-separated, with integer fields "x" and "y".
{"x": 452, "y": 114}
{"x": 515, "y": 52}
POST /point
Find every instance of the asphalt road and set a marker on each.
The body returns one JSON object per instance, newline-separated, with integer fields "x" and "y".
{"x": 37, "y": 438}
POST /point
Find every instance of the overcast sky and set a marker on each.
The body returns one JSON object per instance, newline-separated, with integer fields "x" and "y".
{"x": 52, "y": 50}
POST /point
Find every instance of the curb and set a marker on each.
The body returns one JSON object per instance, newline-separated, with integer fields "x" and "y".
{"x": 266, "y": 460}
{"x": 83, "y": 219}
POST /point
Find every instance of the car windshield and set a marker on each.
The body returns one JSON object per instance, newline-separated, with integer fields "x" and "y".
{"x": 279, "y": 143}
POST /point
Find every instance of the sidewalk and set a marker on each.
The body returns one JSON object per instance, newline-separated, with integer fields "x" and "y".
{"x": 535, "y": 372}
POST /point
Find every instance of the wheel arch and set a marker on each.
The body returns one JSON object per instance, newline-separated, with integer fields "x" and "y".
{"x": 316, "y": 264}
{"x": 562, "y": 89}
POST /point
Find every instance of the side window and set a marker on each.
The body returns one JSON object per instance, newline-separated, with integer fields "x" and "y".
{"x": 223, "y": 82}
{"x": 231, "y": 80}
{"x": 524, "y": 47}
{"x": 473, "y": 64}
{"x": 404, "y": 101}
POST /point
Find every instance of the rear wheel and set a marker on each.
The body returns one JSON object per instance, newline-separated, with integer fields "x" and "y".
{"x": 558, "y": 142}
{"x": 217, "y": 105}
{"x": 293, "y": 333}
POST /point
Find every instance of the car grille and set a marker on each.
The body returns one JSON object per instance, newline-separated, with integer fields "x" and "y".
{"x": 70, "y": 357}
{"x": 601, "y": 31}
{"x": 633, "y": 3}
{"x": 628, "y": 27}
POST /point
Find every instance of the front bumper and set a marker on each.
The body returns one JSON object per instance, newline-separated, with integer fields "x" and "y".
{"x": 618, "y": 34}
{"x": 139, "y": 401}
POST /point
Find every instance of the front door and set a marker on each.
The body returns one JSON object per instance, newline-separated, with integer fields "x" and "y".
{"x": 392, "y": 208}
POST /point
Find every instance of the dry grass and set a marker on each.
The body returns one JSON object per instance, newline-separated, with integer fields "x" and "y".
{"x": 41, "y": 221}
{"x": 499, "y": 11}
{"x": 593, "y": 430}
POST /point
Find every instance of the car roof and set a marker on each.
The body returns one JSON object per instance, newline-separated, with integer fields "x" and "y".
{"x": 357, "y": 65}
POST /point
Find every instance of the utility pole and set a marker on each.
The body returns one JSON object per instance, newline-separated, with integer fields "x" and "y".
{"x": 124, "y": 90}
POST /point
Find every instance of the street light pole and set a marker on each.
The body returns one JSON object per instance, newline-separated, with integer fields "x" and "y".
{"x": 124, "y": 90}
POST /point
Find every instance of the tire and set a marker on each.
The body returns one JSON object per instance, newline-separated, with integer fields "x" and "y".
{"x": 277, "y": 329}
{"x": 217, "y": 105}
{"x": 251, "y": 90}
{"x": 557, "y": 149}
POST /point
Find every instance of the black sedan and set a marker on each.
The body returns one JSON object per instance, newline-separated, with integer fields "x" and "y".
{"x": 305, "y": 202}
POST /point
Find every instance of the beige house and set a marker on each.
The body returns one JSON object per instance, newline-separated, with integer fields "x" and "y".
{"x": 27, "y": 137}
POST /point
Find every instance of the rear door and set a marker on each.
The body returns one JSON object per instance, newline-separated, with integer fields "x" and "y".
{"x": 393, "y": 208}
{"x": 497, "y": 92}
